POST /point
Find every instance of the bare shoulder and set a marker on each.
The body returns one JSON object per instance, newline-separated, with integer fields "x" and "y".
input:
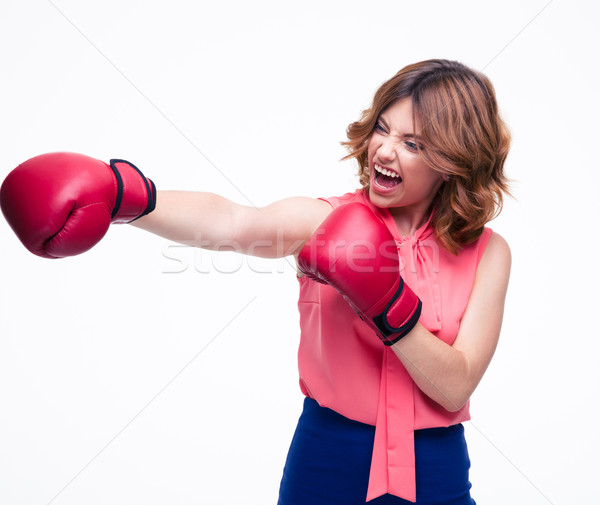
{"x": 493, "y": 271}
{"x": 287, "y": 223}
{"x": 497, "y": 255}
{"x": 305, "y": 210}
{"x": 481, "y": 323}
{"x": 299, "y": 216}
{"x": 499, "y": 243}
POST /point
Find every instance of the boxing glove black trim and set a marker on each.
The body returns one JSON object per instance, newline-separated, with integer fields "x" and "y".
{"x": 406, "y": 328}
{"x": 119, "y": 197}
{"x": 151, "y": 200}
{"x": 386, "y": 329}
{"x": 150, "y": 188}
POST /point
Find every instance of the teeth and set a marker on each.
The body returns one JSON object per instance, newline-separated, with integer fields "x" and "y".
{"x": 385, "y": 171}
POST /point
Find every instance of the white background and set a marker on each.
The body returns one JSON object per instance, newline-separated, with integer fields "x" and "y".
{"x": 108, "y": 393}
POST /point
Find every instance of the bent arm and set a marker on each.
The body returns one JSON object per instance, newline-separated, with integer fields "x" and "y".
{"x": 213, "y": 222}
{"x": 450, "y": 374}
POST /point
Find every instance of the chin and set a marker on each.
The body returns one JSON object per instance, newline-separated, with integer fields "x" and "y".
{"x": 379, "y": 200}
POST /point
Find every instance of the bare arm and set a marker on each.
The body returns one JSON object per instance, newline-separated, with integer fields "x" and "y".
{"x": 212, "y": 222}
{"x": 450, "y": 374}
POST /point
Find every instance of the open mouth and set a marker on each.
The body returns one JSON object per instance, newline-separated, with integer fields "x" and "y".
{"x": 386, "y": 178}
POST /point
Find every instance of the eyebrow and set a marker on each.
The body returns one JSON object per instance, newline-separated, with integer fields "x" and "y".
{"x": 406, "y": 135}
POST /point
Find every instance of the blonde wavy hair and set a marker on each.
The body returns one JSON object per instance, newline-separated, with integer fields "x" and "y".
{"x": 463, "y": 137}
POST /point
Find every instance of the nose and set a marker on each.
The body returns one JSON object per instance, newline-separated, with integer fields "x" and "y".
{"x": 386, "y": 151}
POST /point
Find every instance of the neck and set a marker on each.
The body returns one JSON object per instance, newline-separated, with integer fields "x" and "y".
{"x": 410, "y": 219}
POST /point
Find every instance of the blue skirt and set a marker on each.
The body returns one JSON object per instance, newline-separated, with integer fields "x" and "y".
{"x": 330, "y": 457}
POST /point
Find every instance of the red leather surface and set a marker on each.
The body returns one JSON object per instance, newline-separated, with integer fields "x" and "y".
{"x": 60, "y": 204}
{"x": 354, "y": 252}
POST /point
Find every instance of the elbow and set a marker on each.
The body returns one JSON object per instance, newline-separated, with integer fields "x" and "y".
{"x": 454, "y": 403}
{"x": 455, "y": 406}
{"x": 459, "y": 391}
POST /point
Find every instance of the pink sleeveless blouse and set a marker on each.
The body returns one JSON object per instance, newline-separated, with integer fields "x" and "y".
{"x": 344, "y": 366}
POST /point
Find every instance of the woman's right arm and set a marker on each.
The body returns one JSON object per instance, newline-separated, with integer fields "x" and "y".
{"x": 212, "y": 222}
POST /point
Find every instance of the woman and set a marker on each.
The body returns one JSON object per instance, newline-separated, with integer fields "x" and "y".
{"x": 431, "y": 150}
{"x": 381, "y": 423}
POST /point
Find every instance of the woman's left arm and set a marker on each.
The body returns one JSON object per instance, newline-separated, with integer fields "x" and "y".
{"x": 450, "y": 374}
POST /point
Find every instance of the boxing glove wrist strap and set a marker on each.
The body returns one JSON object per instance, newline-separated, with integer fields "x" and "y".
{"x": 400, "y": 315}
{"x": 136, "y": 194}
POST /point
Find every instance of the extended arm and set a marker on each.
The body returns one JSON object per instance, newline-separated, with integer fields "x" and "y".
{"x": 212, "y": 222}
{"x": 61, "y": 204}
{"x": 450, "y": 374}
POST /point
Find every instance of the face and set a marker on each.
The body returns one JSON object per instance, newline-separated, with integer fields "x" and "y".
{"x": 399, "y": 178}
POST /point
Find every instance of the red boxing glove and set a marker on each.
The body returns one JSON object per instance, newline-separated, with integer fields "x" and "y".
{"x": 354, "y": 252}
{"x": 61, "y": 204}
